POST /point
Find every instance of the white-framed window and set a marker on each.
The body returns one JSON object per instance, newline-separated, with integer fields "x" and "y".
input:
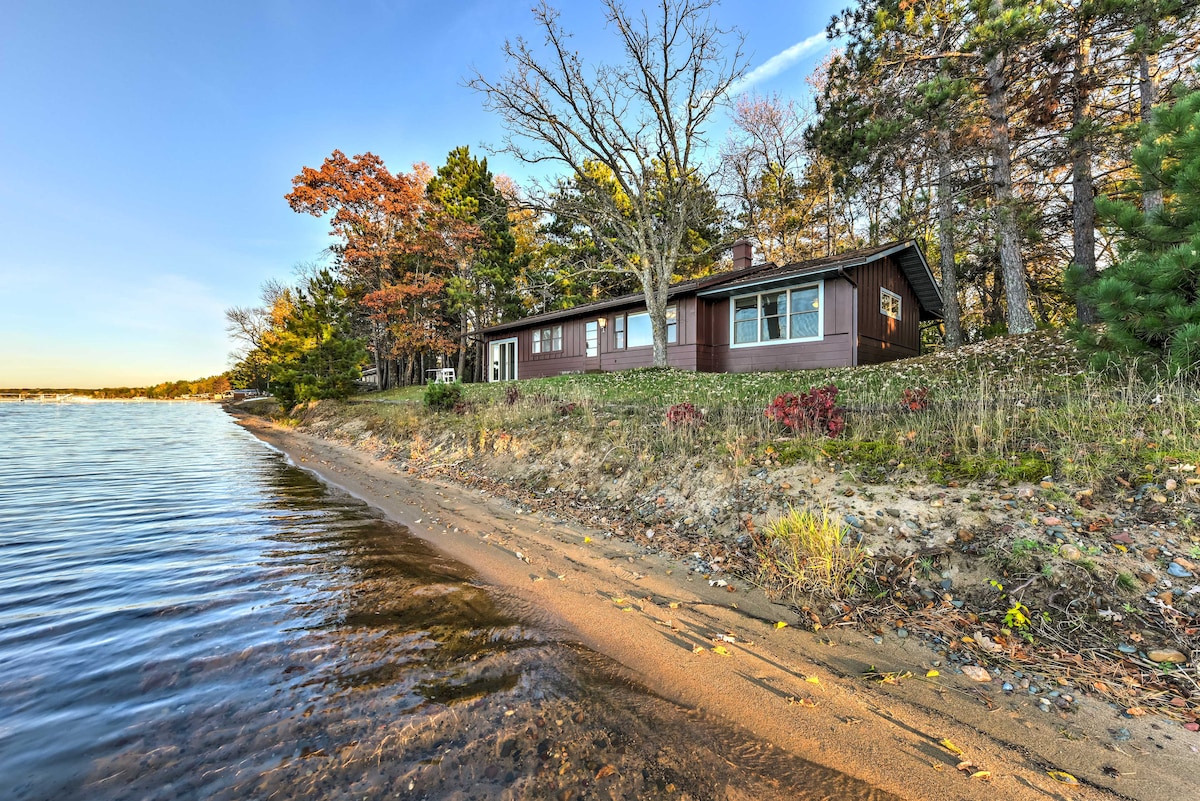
{"x": 635, "y": 332}
{"x": 619, "y": 332}
{"x": 548, "y": 339}
{"x": 889, "y": 303}
{"x": 592, "y": 338}
{"x": 780, "y": 315}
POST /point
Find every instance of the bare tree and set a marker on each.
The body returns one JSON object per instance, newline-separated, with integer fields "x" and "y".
{"x": 632, "y": 134}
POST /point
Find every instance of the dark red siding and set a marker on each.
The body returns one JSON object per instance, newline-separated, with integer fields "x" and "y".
{"x": 881, "y": 338}
{"x": 833, "y": 350}
{"x": 571, "y": 358}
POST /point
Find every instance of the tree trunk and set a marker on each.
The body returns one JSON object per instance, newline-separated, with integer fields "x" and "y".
{"x": 655, "y": 288}
{"x": 462, "y": 347}
{"x": 1152, "y": 199}
{"x": 1016, "y": 289}
{"x": 951, "y": 312}
{"x": 1083, "y": 193}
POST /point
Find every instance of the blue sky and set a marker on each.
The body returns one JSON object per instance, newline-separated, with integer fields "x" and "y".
{"x": 145, "y": 149}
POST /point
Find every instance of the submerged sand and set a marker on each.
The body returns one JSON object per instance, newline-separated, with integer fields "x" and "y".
{"x": 720, "y": 649}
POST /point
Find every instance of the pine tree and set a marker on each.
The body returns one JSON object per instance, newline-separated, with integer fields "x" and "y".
{"x": 314, "y": 353}
{"x": 1149, "y": 300}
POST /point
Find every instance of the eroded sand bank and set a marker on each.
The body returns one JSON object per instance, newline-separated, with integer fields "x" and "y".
{"x": 798, "y": 690}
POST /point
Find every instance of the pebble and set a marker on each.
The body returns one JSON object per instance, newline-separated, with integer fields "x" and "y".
{"x": 1121, "y": 735}
{"x": 1166, "y": 655}
{"x": 1008, "y": 688}
{"x": 976, "y": 673}
{"x": 902, "y": 633}
{"x": 1126, "y": 648}
{"x": 1070, "y": 553}
{"x": 1178, "y": 571}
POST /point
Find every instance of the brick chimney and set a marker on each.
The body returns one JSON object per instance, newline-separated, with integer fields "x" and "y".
{"x": 743, "y": 254}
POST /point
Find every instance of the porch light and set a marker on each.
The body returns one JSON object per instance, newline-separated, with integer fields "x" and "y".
{"x": 603, "y": 321}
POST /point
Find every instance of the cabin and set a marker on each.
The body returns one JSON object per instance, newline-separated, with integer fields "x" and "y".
{"x": 861, "y": 307}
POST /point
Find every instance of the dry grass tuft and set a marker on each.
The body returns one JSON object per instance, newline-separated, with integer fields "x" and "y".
{"x": 806, "y": 551}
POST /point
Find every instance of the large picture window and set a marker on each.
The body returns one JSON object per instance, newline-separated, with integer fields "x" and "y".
{"x": 783, "y": 315}
{"x": 634, "y": 331}
{"x": 546, "y": 340}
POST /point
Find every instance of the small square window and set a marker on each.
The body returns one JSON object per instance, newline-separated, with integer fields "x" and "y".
{"x": 889, "y": 304}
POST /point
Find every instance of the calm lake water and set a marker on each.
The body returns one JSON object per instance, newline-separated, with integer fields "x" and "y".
{"x": 184, "y": 615}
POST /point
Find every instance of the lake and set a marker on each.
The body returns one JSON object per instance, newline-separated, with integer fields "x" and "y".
{"x": 186, "y": 615}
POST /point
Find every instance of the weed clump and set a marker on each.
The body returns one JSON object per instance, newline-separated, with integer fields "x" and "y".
{"x": 809, "y": 412}
{"x": 684, "y": 415}
{"x": 806, "y": 551}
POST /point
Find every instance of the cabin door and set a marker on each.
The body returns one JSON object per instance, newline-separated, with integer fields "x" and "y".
{"x": 503, "y": 358}
{"x": 591, "y": 333}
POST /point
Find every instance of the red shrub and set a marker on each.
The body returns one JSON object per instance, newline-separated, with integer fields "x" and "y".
{"x": 684, "y": 414}
{"x": 809, "y": 412}
{"x": 916, "y": 400}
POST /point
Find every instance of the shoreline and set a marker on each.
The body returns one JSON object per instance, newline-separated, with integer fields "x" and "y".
{"x": 797, "y": 690}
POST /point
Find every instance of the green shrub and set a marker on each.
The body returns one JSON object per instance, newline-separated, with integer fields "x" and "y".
{"x": 442, "y": 397}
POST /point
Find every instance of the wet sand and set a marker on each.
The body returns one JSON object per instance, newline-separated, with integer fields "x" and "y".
{"x": 799, "y": 691}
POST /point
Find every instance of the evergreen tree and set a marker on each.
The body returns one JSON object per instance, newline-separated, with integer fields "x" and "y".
{"x": 314, "y": 353}
{"x": 1149, "y": 300}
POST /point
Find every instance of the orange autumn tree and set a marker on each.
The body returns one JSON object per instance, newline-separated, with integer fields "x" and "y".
{"x": 393, "y": 251}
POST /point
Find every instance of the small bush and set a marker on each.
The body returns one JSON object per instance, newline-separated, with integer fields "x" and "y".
{"x": 804, "y": 551}
{"x": 815, "y": 411}
{"x": 565, "y": 409}
{"x": 442, "y": 397}
{"x": 684, "y": 415}
{"x": 512, "y": 394}
{"x": 916, "y": 400}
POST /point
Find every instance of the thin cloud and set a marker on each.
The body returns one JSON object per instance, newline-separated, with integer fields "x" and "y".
{"x": 779, "y": 62}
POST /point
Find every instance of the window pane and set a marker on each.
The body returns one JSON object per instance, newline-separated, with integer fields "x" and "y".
{"x": 745, "y": 331}
{"x": 537, "y": 341}
{"x": 619, "y": 331}
{"x": 773, "y": 303}
{"x": 593, "y": 338}
{"x": 745, "y": 309}
{"x": 772, "y": 328}
{"x": 804, "y": 300}
{"x": 639, "y": 330}
{"x": 556, "y": 338}
{"x": 672, "y": 325}
{"x": 804, "y": 325}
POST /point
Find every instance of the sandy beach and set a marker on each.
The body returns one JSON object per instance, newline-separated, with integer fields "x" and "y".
{"x": 713, "y": 643}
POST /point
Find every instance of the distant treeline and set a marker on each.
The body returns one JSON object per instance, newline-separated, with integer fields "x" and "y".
{"x": 213, "y": 385}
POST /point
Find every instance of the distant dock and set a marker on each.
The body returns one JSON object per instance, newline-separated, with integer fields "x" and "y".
{"x": 34, "y": 397}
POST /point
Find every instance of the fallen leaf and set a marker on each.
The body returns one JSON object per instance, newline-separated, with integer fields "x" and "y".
{"x": 607, "y": 770}
{"x": 951, "y": 747}
{"x": 721, "y": 649}
{"x": 981, "y": 774}
{"x": 589, "y": 539}
{"x": 931, "y": 674}
{"x": 812, "y": 679}
{"x": 780, "y": 625}
{"x": 1062, "y": 776}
